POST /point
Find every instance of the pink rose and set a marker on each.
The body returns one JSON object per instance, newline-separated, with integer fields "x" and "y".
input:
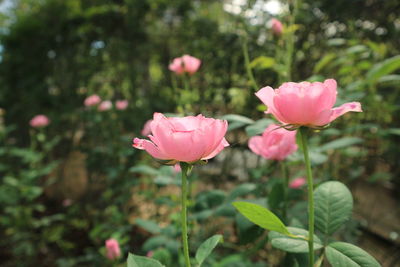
{"x": 112, "y": 248}
{"x": 39, "y": 121}
{"x": 121, "y": 104}
{"x": 188, "y": 139}
{"x": 105, "y": 105}
{"x": 92, "y": 100}
{"x": 275, "y": 143}
{"x": 297, "y": 182}
{"x": 184, "y": 64}
{"x": 305, "y": 103}
{"x": 146, "y": 128}
{"x": 276, "y": 26}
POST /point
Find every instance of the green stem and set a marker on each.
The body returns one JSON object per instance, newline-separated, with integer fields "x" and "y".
{"x": 247, "y": 63}
{"x": 285, "y": 174}
{"x": 303, "y": 134}
{"x": 186, "y": 168}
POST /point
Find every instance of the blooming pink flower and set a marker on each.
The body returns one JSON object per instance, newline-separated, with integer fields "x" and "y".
{"x": 146, "y": 128}
{"x": 39, "y": 121}
{"x": 92, "y": 100}
{"x": 275, "y": 143}
{"x": 105, "y": 105}
{"x": 184, "y": 64}
{"x": 297, "y": 182}
{"x": 188, "y": 139}
{"x": 121, "y": 104}
{"x": 305, "y": 103}
{"x": 113, "y": 250}
{"x": 276, "y": 26}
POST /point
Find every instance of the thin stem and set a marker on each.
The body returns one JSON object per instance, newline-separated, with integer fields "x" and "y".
{"x": 247, "y": 64}
{"x": 186, "y": 168}
{"x": 285, "y": 174}
{"x": 303, "y": 134}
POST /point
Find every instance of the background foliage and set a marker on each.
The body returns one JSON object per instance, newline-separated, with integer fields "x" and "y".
{"x": 54, "y": 53}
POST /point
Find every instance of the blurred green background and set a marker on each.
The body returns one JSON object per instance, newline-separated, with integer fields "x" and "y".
{"x": 66, "y": 188}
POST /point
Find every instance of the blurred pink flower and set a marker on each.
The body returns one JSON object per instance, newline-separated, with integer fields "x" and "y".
{"x": 305, "y": 103}
{"x": 39, "y": 121}
{"x": 188, "y": 139}
{"x": 184, "y": 64}
{"x": 92, "y": 100}
{"x": 297, "y": 182}
{"x": 146, "y": 128}
{"x": 150, "y": 254}
{"x": 276, "y": 26}
{"x": 105, "y": 105}
{"x": 121, "y": 104}
{"x": 67, "y": 202}
{"x": 177, "y": 168}
{"x": 112, "y": 248}
{"x": 275, "y": 143}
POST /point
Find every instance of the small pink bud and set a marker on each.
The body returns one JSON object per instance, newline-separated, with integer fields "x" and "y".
{"x": 121, "y": 104}
{"x": 277, "y": 27}
{"x": 150, "y": 254}
{"x": 39, "y": 121}
{"x": 105, "y": 105}
{"x": 297, "y": 182}
{"x": 113, "y": 250}
{"x": 92, "y": 100}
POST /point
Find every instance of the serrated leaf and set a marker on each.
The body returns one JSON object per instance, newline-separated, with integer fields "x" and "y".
{"x": 341, "y": 254}
{"x": 140, "y": 261}
{"x": 292, "y": 244}
{"x": 206, "y": 248}
{"x": 333, "y": 206}
{"x": 261, "y": 217}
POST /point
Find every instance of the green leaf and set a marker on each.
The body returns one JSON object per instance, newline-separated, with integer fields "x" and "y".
{"x": 340, "y": 143}
{"x": 324, "y": 61}
{"x": 144, "y": 169}
{"x": 383, "y": 68}
{"x": 150, "y": 226}
{"x": 341, "y": 254}
{"x": 241, "y": 190}
{"x": 261, "y": 216}
{"x": 390, "y": 80}
{"x": 333, "y": 206}
{"x": 258, "y": 127}
{"x": 293, "y": 244}
{"x": 262, "y": 62}
{"x": 140, "y": 261}
{"x": 237, "y": 118}
{"x": 207, "y": 247}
